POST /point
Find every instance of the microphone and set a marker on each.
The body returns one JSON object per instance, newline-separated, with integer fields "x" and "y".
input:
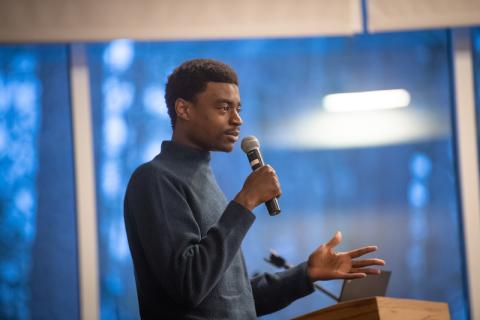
{"x": 251, "y": 147}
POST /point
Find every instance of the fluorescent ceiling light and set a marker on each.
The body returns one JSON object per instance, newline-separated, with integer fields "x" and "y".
{"x": 366, "y": 100}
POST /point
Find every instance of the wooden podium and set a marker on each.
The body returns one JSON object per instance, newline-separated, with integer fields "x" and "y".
{"x": 382, "y": 308}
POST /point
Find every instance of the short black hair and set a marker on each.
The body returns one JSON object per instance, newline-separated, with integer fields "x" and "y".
{"x": 191, "y": 78}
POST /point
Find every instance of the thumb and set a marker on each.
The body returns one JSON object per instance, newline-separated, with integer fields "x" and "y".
{"x": 337, "y": 238}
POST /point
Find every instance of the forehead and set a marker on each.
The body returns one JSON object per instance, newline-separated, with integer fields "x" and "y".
{"x": 220, "y": 90}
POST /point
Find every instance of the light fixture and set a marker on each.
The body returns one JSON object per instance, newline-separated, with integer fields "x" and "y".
{"x": 366, "y": 100}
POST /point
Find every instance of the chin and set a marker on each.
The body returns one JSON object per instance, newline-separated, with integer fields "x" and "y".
{"x": 225, "y": 147}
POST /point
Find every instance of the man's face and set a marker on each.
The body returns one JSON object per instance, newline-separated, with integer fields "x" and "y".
{"x": 215, "y": 121}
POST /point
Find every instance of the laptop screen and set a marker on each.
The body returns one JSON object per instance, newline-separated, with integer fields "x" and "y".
{"x": 370, "y": 286}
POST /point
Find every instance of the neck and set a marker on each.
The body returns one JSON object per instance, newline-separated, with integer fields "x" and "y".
{"x": 179, "y": 137}
{"x": 183, "y": 154}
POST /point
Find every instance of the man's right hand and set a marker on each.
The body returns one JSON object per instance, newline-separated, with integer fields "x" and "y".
{"x": 259, "y": 187}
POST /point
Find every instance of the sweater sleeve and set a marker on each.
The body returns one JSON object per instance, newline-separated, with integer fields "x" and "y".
{"x": 273, "y": 292}
{"x": 186, "y": 265}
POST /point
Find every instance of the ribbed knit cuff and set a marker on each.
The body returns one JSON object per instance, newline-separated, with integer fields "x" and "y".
{"x": 302, "y": 285}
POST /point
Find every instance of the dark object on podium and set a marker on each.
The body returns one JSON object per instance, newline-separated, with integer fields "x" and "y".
{"x": 381, "y": 308}
{"x": 370, "y": 286}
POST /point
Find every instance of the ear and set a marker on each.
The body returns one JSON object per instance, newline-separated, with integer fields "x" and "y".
{"x": 183, "y": 108}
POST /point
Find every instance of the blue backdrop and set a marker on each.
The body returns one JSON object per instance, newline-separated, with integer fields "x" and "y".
{"x": 38, "y": 249}
{"x": 384, "y": 177}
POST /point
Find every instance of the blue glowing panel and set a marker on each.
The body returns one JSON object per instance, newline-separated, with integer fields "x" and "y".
{"x": 38, "y": 261}
{"x": 382, "y": 177}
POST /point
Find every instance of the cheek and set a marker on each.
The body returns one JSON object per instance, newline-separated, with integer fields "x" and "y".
{"x": 212, "y": 122}
{"x": 206, "y": 127}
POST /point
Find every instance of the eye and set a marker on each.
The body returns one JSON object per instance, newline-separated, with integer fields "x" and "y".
{"x": 224, "y": 107}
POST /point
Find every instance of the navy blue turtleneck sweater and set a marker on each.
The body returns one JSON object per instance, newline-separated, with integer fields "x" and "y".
{"x": 185, "y": 241}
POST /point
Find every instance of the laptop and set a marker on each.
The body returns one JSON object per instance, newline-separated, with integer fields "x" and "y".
{"x": 370, "y": 286}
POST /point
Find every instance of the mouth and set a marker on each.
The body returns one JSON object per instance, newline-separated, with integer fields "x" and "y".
{"x": 232, "y": 134}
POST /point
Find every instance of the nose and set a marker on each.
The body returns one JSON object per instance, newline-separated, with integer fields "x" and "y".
{"x": 235, "y": 118}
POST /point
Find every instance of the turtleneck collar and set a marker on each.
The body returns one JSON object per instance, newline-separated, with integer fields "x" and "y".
{"x": 180, "y": 152}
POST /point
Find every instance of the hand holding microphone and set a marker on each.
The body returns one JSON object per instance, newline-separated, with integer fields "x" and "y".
{"x": 262, "y": 184}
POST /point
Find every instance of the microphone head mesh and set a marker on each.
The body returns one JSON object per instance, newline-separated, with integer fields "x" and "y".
{"x": 249, "y": 143}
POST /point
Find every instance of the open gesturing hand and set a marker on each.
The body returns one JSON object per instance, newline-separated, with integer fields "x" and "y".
{"x": 326, "y": 264}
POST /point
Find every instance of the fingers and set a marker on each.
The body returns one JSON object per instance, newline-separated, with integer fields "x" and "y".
{"x": 355, "y": 275}
{"x": 276, "y": 183}
{"x": 365, "y": 270}
{"x": 361, "y": 251}
{"x": 260, "y": 186}
{"x": 278, "y": 189}
{"x": 367, "y": 262}
{"x": 337, "y": 238}
{"x": 267, "y": 169}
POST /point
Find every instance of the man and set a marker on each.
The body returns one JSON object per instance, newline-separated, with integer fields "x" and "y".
{"x": 183, "y": 234}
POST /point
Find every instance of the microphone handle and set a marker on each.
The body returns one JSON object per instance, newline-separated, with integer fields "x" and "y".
{"x": 256, "y": 161}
